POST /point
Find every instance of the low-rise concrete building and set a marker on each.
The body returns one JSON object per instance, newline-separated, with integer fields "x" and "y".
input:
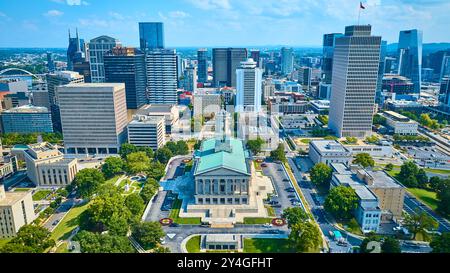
{"x": 221, "y": 242}
{"x": 170, "y": 113}
{"x": 16, "y": 210}
{"x": 148, "y": 131}
{"x": 400, "y": 124}
{"x": 47, "y": 167}
{"x": 328, "y": 151}
{"x": 368, "y": 212}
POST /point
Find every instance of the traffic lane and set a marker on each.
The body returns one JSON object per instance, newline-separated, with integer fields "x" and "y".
{"x": 281, "y": 183}
{"x": 155, "y": 213}
{"x": 411, "y": 204}
{"x": 54, "y": 220}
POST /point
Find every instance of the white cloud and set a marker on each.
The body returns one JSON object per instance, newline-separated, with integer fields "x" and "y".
{"x": 211, "y": 4}
{"x": 117, "y": 16}
{"x": 94, "y": 23}
{"x": 53, "y": 13}
{"x": 179, "y": 14}
{"x": 72, "y": 2}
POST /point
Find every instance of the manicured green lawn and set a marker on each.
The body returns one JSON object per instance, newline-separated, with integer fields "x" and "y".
{"x": 174, "y": 215}
{"x": 437, "y": 171}
{"x": 113, "y": 180}
{"x": 258, "y": 245}
{"x": 193, "y": 245}
{"x": 22, "y": 189}
{"x": 256, "y": 220}
{"x": 428, "y": 197}
{"x": 305, "y": 140}
{"x": 68, "y": 223}
{"x": 62, "y": 248}
{"x": 270, "y": 211}
{"x": 39, "y": 195}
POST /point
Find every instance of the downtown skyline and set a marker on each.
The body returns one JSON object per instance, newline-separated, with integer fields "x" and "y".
{"x": 217, "y": 22}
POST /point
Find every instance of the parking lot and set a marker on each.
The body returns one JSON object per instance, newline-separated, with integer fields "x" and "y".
{"x": 284, "y": 193}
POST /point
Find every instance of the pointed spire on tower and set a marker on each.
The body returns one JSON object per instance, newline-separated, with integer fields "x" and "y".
{"x": 78, "y": 41}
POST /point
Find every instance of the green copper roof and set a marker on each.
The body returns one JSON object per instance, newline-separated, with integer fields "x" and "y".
{"x": 210, "y": 160}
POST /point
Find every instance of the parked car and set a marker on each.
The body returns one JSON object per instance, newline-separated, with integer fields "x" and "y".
{"x": 174, "y": 225}
{"x": 291, "y": 196}
{"x": 290, "y": 189}
{"x": 55, "y": 222}
{"x": 263, "y": 165}
{"x": 276, "y": 206}
{"x": 285, "y": 180}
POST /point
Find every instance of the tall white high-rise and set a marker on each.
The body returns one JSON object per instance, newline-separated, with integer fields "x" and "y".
{"x": 162, "y": 76}
{"x": 287, "y": 60}
{"x": 355, "y": 72}
{"x": 97, "y": 48}
{"x": 93, "y": 116}
{"x": 248, "y": 86}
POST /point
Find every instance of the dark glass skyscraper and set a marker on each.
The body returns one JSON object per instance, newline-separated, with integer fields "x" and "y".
{"x": 327, "y": 59}
{"x": 410, "y": 56}
{"x": 127, "y": 65}
{"x": 202, "y": 60}
{"x": 75, "y": 51}
{"x": 151, "y": 35}
{"x": 225, "y": 63}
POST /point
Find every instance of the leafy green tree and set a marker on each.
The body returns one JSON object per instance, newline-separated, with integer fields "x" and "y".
{"x": 163, "y": 155}
{"x": 113, "y": 166}
{"x": 156, "y": 170}
{"x": 443, "y": 196}
{"x": 255, "y": 145}
{"x": 422, "y": 178}
{"x": 295, "y": 215}
{"x": 137, "y": 162}
{"x": 147, "y": 150}
{"x": 305, "y": 236}
{"x": 441, "y": 243}
{"x": 148, "y": 234}
{"x": 379, "y": 120}
{"x": 341, "y": 202}
{"x": 103, "y": 243}
{"x": 278, "y": 154}
{"x": 419, "y": 222}
{"x": 108, "y": 212}
{"x": 127, "y": 149}
{"x": 87, "y": 181}
{"x": 29, "y": 239}
{"x": 149, "y": 189}
{"x": 134, "y": 203}
{"x": 389, "y": 167}
{"x": 182, "y": 148}
{"x": 407, "y": 175}
{"x": 390, "y": 245}
{"x": 364, "y": 159}
{"x": 370, "y": 237}
{"x": 321, "y": 174}
{"x": 372, "y": 139}
{"x": 351, "y": 140}
{"x": 161, "y": 249}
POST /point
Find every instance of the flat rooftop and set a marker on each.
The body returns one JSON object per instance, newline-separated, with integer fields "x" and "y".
{"x": 143, "y": 119}
{"x": 94, "y": 85}
{"x": 13, "y": 197}
{"x": 25, "y": 109}
{"x": 328, "y": 146}
{"x": 382, "y": 180}
{"x": 222, "y": 238}
{"x": 156, "y": 108}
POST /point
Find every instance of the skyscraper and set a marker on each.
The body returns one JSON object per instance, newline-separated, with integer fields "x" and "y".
{"x": 162, "y": 76}
{"x": 255, "y": 54}
{"x": 93, "y": 116}
{"x": 248, "y": 89}
{"x": 75, "y": 51}
{"x": 355, "y": 72}
{"x": 190, "y": 78}
{"x": 151, "y": 35}
{"x": 287, "y": 60}
{"x": 53, "y": 81}
{"x": 410, "y": 56}
{"x": 50, "y": 62}
{"x": 97, "y": 48}
{"x": 127, "y": 65}
{"x": 202, "y": 60}
{"x": 327, "y": 59}
{"x": 225, "y": 63}
{"x": 379, "y": 95}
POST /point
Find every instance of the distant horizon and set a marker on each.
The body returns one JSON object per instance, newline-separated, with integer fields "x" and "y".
{"x": 294, "y": 23}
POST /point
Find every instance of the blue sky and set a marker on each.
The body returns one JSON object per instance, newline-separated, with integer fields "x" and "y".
{"x": 44, "y": 23}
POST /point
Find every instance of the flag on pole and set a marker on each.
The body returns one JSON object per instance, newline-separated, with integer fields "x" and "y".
{"x": 361, "y": 6}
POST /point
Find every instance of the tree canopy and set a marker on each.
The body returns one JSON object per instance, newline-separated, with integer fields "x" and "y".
{"x": 88, "y": 181}
{"x": 113, "y": 166}
{"x": 341, "y": 202}
{"x": 321, "y": 174}
{"x": 278, "y": 154}
{"x": 364, "y": 159}
{"x": 103, "y": 243}
{"x": 255, "y": 145}
{"x": 29, "y": 239}
{"x": 148, "y": 234}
